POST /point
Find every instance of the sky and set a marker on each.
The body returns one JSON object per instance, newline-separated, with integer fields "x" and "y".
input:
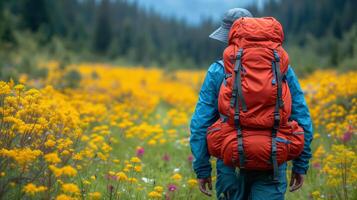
{"x": 193, "y": 11}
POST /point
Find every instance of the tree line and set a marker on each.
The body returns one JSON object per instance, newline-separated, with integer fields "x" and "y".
{"x": 118, "y": 29}
{"x": 110, "y": 29}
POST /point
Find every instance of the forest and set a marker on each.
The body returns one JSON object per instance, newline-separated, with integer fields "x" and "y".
{"x": 319, "y": 34}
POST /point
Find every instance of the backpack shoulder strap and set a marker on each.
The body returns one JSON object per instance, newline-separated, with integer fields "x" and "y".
{"x": 220, "y": 62}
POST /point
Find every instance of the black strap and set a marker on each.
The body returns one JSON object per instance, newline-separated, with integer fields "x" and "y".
{"x": 224, "y": 118}
{"x": 235, "y": 84}
{"x": 273, "y": 142}
{"x": 278, "y": 104}
{"x": 279, "y": 78}
{"x": 274, "y": 74}
{"x": 239, "y": 136}
{"x": 237, "y": 93}
{"x": 220, "y": 62}
{"x": 239, "y": 88}
{"x": 240, "y": 148}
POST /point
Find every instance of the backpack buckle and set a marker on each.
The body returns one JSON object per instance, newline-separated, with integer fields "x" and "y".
{"x": 276, "y": 116}
{"x": 236, "y": 119}
{"x": 276, "y": 56}
{"x": 239, "y": 55}
{"x": 281, "y": 103}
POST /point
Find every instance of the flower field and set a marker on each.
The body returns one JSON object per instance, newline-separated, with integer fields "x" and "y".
{"x": 123, "y": 134}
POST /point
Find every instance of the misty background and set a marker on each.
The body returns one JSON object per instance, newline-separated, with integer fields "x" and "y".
{"x": 168, "y": 34}
{"x": 195, "y": 11}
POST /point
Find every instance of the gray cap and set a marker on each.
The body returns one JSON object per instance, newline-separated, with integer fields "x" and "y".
{"x": 230, "y": 16}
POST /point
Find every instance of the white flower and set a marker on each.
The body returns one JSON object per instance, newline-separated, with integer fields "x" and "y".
{"x": 147, "y": 180}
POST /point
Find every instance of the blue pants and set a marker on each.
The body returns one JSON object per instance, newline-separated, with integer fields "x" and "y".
{"x": 249, "y": 185}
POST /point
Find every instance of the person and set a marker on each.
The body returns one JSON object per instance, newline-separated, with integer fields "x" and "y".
{"x": 243, "y": 184}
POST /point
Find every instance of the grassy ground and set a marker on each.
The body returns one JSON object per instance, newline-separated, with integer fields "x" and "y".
{"x": 122, "y": 133}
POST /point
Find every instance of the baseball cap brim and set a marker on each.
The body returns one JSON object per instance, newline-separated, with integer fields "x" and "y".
{"x": 220, "y": 34}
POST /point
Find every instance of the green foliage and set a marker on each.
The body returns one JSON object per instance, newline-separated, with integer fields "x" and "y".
{"x": 71, "y": 79}
{"x": 319, "y": 34}
{"x": 348, "y": 49}
{"x": 24, "y": 60}
{"x": 102, "y": 35}
{"x": 325, "y": 52}
{"x": 113, "y": 30}
{"x": 319, "y": 18}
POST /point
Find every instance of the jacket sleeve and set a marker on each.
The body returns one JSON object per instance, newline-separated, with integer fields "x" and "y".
{"x": 300, "y": 113}
{"x": 205, "y": 114}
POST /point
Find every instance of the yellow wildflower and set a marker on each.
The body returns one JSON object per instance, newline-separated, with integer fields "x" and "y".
{"x": 152, "y": 142}
{"x": 70, "y": 188}
{"x": 95, "y": 195}
{"x": 19, "y": 87}
{"x": 132, "y": 180}
{"x": 86, "y": 182}
{"x": 316, "y": 195}
{"x": 138, "y": 168}
{"x": 176, "y": 177}
{"x": 159, "y": 189}
{"x": 69, "y": 171}
{"x": 50, "y": 143}
{"x": 56, "y": 171}
{"x": 192, "y": 183}
{"x": 52, "y": 158}
{"x": 21, "y": 156}
{"x": 121, "y": 176}
{"x": 65, "y": 153}
{"x": 155, "y": 195}
{"x": 65, "y": 197}
{"x": 4, "y": 88}
{"x": 31, "y": 189}
{"x": 135, "y": 160}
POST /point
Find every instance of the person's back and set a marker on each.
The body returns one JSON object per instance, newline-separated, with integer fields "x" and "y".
{"x": 247, "y": 183}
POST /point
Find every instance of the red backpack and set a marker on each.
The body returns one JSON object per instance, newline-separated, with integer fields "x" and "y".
{"x": 254, "y": 131}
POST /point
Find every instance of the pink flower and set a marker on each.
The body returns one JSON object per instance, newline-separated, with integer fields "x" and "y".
{"x": 316, "y": 165}
{"x": 110, "y": 177}
{"x": 166, "y": 157}
{"x": 172, "y": 187}
{"x": 347, "y": 136}
{"x": 190, "y": 158}
{"x": 110, "y": 188}
{"x": 140, "y": 152}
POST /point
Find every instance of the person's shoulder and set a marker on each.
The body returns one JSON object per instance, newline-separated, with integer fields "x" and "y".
{"x": 216, "y": 68}
{"x": 290, "y": 74}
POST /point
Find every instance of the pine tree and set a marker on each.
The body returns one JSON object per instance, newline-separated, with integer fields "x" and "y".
{"x": 102, "y": 34}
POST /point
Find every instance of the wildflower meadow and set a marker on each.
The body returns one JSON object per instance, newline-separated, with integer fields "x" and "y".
{"x": 123, "y": 133}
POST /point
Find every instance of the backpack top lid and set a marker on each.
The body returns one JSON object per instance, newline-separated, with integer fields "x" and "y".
{"x": 247, "y": 30}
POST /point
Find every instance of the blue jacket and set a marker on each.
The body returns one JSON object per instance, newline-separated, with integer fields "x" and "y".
{"x": 206, "y": 113}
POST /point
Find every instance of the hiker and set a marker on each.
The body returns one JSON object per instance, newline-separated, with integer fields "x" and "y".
{"x": 232, "y": 182}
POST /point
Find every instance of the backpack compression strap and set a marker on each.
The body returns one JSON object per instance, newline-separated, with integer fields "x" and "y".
{"x": 237, "y": 95}
{"x": 237, "y": 87}
{"x": 279, "y": 78}
{"x": 226, "y": 75}
{"x": 278, "y": 104}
